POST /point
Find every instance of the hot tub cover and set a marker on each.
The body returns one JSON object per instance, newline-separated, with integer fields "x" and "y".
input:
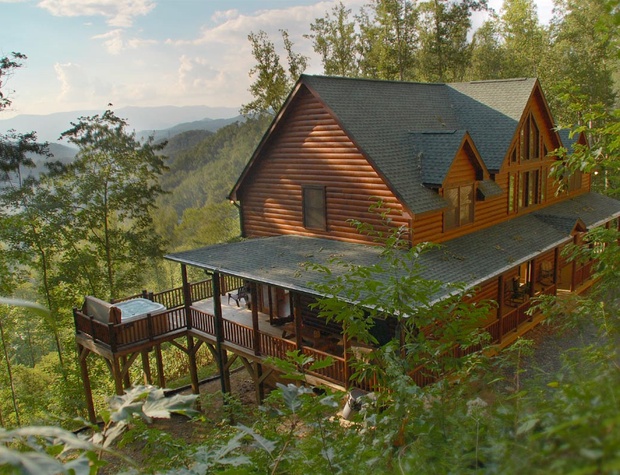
{"x": 139, "y": 307}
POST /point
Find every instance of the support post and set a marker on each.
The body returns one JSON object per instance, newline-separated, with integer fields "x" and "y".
{"x": 126, "y": 381}
{"x": 193, "y": 371}
{"x": 297, "y": 319}
{"x": 556, "y": 268}
{"x": 146, "y": 367}
{"x": 219, "y": 334}
{"x": 255, "y": 327}
{"x": 573, "y": 279}
{"x": 117, "y": 375}
{"x": 260, "y": 385}
{"x": 187, "y": 296}
{"x": 500, "y": 305}
{"x": 161, "y": 378}
{"x": 88, "y": 393}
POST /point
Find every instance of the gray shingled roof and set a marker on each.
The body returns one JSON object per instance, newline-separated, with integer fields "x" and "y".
{"x": 378, "y": 115}
{"x": 472, "y": 259}
{"x": 437, "y": 150}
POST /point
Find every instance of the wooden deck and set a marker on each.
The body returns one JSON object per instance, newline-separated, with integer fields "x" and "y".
{"x": 253, "y": 339}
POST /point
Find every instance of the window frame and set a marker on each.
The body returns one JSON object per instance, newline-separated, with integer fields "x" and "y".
{"x": 452, "y": 217}
{"x": 314, "y": 217}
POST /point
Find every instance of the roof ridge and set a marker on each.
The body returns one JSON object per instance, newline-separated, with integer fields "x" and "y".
{"x": 393, "y": 81}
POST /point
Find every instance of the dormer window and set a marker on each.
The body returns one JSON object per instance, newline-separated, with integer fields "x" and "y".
{"x": 461, "y": 211}
{"x": 314, "y": 210}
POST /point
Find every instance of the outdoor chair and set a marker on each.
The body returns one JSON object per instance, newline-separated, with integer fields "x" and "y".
{"x": 237, "y": 296}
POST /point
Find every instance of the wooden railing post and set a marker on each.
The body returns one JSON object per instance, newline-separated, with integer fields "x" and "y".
{"x": 149, "y": 326}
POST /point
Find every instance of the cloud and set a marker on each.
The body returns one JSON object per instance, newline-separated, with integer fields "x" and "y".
{"x": 118, "y": 13}
{"x": 79, "y": 89}
{"x": 115, "y": 42}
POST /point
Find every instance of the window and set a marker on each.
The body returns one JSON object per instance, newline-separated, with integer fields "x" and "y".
{"x": 529, "y": 140}
{"x": 461, "y": 211}
{"x": 529, "y": 188}
{"x": 313, "y": 203}
{"x": 574, "y": 180}
{"x": 512, "y": 193}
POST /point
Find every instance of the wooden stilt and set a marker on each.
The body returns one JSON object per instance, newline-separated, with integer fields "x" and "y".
{"x": 259, "y": 383}
{"x": 117, "y": 375}
{"x": 146, "y": 367}
{"x": 126, "y": 381}
{"x": 219, "y": 334}
{"x": 90, "y": 405}
{"x": 161, "y": 378}
{"x": 193, "y": 371}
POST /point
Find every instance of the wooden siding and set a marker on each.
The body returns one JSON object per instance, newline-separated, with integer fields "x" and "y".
{"x": 311, "y": 149}
{"x": 463, "y": 169}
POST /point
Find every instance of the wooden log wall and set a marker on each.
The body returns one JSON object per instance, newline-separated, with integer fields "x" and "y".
{"x": 311, "y": 149}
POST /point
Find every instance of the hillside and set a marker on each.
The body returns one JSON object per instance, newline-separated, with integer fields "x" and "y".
{"x": 211, "y": 125}
{"x": 50, "y": 126}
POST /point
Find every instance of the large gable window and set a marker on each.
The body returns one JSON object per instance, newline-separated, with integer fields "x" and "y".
{"x": 461, "y": 211}
{"x": 529, "y": 139}
{"x": 313, "y": 203}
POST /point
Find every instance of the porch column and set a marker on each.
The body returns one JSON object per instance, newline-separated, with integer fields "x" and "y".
{"x": 573, "y": 278}
{"x": 501, "y": 282}
{"x": 254, "y": 300}
{"x": 297, "y": 319}
{"x": 533, "y": 277}
{"x": 219, "y": 334}
{"x": 556, "y": 268}
{"x": 187, "y": 295}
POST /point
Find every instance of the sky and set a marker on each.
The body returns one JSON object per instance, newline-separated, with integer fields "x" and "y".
{"x": 86, "y": 54}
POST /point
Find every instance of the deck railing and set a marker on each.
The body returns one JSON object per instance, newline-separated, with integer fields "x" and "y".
{"x": 175, "y": 319}
{"x": 335, "y": 372}
{"x": 202, "y": 321}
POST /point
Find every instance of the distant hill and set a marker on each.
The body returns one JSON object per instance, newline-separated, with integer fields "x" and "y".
{"x": 62, "y": 154}
{"x": 184, "y": 141}
{"x": 50, "y": 126}
{"x": 212, "y": 125}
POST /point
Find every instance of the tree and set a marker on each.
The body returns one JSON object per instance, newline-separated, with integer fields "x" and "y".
{"x": 444, "y": 48}
{"x": 524, "y": 39}
{"x": 7, "y": 65}
{"x": 487, "y": 52}
{"x": 104, "y": 201}
{"x": 581, "y": 61}
{"x": 334, "y": 38}
{"x": 389, "y": 39}
{"x": 273, "y": 82}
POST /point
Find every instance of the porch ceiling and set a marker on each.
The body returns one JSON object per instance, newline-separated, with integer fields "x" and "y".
{"x": 283, "y": 261}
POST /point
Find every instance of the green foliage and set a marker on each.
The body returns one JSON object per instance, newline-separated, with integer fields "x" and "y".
{"x": 272, "y": 81}
{"x": 8, "y": 64}
{"x": 335, "y": 39}
{"x": 108, "y": 194}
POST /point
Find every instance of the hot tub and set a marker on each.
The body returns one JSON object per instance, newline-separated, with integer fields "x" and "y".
{"x": 134, "y": 309}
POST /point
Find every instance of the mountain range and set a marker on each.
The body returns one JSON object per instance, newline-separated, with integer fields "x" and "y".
{"x": 145, "y": 120}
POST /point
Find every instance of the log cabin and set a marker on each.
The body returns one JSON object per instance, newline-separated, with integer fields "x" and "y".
{"x": 464, "y": 165}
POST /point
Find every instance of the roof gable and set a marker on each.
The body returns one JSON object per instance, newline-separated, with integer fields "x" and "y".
{"x": 410, "y": 132}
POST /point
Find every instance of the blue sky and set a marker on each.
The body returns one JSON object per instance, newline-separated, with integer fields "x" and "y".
{"x": 84, "y": 54}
